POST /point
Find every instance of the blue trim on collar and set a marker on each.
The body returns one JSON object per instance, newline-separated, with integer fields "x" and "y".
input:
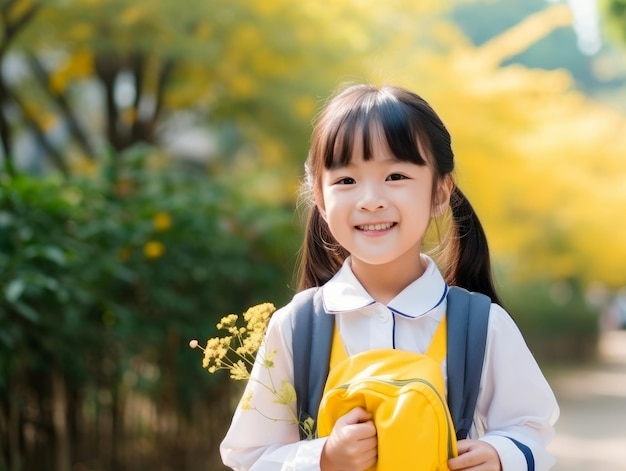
{"x": 445, "y": 293}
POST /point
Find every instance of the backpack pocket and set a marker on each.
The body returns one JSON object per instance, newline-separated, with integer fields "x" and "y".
{"x": 405, "y": 394}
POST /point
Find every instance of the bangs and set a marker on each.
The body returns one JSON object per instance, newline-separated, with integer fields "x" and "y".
{"x": 369, "y": 117}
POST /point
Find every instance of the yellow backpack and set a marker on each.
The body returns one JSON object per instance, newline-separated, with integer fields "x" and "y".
{"x": 404, "y": 392}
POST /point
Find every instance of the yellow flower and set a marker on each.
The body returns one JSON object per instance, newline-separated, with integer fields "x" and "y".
{"x": 269, "y": 359}
{"x": 153, "y": 249}
{"x": 162, "y": 221}
{"x": 309, "y": 427}
{"x": 287, "y": 393}
{"x": 246, "y": 401}
{"x": 227, "y": 321}
{"x": 236, "y": 353}
{"x": 239, "y": 371}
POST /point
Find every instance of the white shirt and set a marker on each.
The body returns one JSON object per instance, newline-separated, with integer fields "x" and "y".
{"x": 515, "y": 401}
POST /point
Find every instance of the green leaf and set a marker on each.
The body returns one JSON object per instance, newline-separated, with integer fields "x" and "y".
{"x": 6, "y": 219}
{"x": 54, "y": 254}
{"x": 27, "y": 312}
{"x": 14, "y": 290}
{"x": 6, "y": 340}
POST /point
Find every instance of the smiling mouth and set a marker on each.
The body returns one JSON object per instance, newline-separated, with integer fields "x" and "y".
{"x": 376, "y": 227}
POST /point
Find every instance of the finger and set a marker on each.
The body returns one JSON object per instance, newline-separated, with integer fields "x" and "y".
{"x": 464, "y": 460}
{"x": 361, "y": 431}
{"x": 463, "y": 446}
{"x": 368, "y": 429}
{"x": 356, "y": 415}
{"x": 370, "y": 458}
{"x": 460, "y": 462}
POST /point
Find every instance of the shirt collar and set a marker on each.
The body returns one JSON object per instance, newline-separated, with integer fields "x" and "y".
{"x": 344, "y": 292}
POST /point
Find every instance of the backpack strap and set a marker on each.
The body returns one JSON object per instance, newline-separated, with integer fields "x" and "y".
{"x": 468, "y": 318}
{"x": 310, "y": 358}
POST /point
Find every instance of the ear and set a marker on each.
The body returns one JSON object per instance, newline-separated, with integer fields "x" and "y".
{"x": 319, "y": 202}
{"x": 442, "y": 196}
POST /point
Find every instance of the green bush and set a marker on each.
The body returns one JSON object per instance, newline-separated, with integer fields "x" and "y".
{"x": 105, "y": 280}
{"x": 557, "y": 322}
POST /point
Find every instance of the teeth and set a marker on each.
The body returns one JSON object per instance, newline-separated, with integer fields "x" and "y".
{"x": 376, "y": 227}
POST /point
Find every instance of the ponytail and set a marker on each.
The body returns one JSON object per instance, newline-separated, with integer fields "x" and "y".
{"x": 321, "y": 255}
{"x": 469, "y": 262}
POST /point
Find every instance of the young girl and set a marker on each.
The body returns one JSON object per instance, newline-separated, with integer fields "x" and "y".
{"x": 378, "y": 172}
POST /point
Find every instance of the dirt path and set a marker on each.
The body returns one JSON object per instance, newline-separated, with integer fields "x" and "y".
{"x": 591, "y": 432}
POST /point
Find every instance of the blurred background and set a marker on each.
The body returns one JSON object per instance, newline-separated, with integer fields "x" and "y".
{"x": 151, "y": 154}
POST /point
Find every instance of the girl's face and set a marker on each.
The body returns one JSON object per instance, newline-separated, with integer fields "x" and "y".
{"x": 379, "y": 209}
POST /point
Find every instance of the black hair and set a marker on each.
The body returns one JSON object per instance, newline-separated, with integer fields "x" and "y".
{"x": 414, "y": 133}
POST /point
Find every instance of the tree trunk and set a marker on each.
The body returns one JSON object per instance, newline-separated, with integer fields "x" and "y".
{"x": 5, "y": 130}
{"x": 107, "y": 69}
{"x": 15, "y": 454}
{"x": 60, "y": 423}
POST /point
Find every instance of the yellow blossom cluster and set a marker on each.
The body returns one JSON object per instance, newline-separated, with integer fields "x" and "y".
{"x": 162, "y": 221}
{"x": 153, "y": 249}
{"x": 236, "y": 352}
{"x": 241, "y": 340}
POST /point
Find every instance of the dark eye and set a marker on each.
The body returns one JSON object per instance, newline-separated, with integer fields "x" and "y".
{"x": 346, "y": 181}
{"x": 396, "y": 176}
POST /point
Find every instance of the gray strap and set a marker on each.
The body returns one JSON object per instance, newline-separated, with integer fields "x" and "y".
{"x": 468, "y": 318}
{"x": 312, "y": 340}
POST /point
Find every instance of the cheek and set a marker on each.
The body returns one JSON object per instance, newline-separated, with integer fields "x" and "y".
{"x": 333, "y": 208}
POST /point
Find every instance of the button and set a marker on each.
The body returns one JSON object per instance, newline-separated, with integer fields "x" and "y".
{"x": 382, "y": 314}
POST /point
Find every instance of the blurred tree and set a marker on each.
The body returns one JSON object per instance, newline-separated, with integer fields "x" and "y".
{"x": 597, "y": 75}
{"x": 616, "y": 13}
{"x": 14, "y": 17}
{"x": 116, "y": 72}
{"x": 484, "y": 20}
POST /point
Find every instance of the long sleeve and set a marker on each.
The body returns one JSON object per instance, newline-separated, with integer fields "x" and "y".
{"x": 516, "y": 409}
{"x": 263, "y": 435}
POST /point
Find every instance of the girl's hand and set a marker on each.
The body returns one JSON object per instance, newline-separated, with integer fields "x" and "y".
{"x": 352, "y": 445}
{"x": 476, "y": 455}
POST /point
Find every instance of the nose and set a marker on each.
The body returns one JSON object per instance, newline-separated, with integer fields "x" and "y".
{"x": 371, "y": 198}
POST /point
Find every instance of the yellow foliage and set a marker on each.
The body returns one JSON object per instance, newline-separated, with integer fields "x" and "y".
{"x": 128, "y": 116}
{"x": 88, "y": 167}
{"x": 272, "y": 151}
{"x": 541, "y": 163}
{"x": 17, "y": 9}
{"x": 133, "y": 14}
{"x": 241, "y": 85}
{"x": 78, "y": 66}
{"x": 269, "y": 7}
{"x": 304, "y": 107}
{"x": 81, "y": 31}
{"x": 203, "y": 31}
